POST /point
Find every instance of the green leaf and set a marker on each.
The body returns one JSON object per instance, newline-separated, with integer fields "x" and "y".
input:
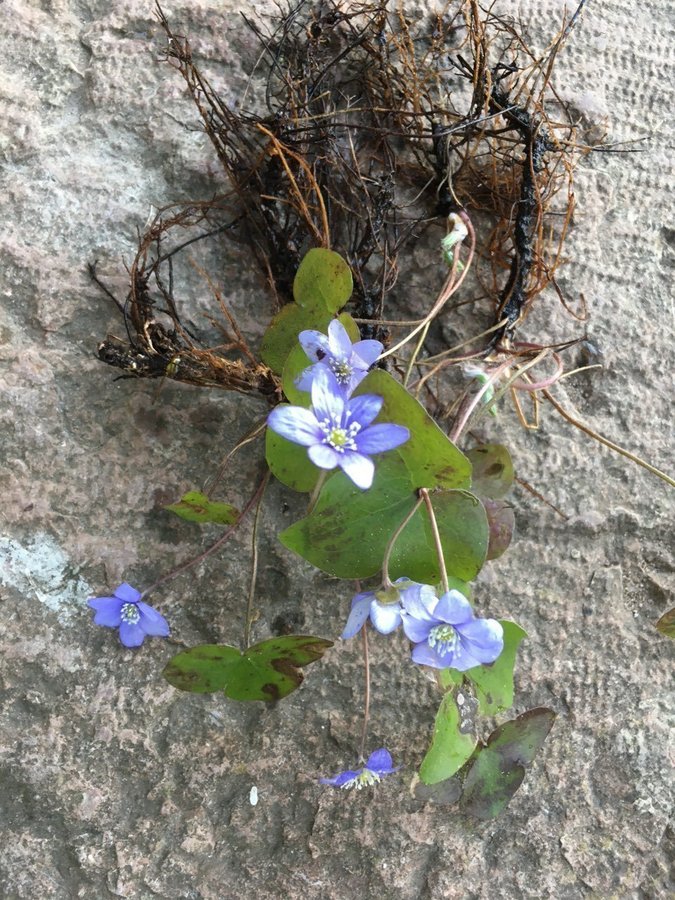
{"x": 266, "y": 671}
{"x": 196, "y": 507}
{"x": 323, "y": 278}
{"x": 289, "y": 463}
{"x": 449, "y": 748}
{"x": 348, "y": 530}
{"x": 322, "y": 286}
{"x": 281, "y": 336}
{"x": 502, "y": 523}
{"x": 666, "y": 624}
{"x": 442, "y": 793}
{"x": 499, "y": 767}
{"x": 487, "y": 788}
{"x": 492, "y": 471}
{"x": 494, "y": 683}
{"x": 431, "y": 457}
{"x": 463, "y": 528}
{"x": 450, "y": 678}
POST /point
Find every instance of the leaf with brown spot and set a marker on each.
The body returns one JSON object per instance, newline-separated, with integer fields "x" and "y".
{"x": 266, "y": 671}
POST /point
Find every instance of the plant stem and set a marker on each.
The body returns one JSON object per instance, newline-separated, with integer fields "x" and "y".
{"x": 452, "y": 284}
{"x": 424, "y": 494}
{"x": 221, "y": 540}
{"x": 366, "y": 699}
{"x": 603, "y": 440}
{"x": 323, "y": 475}
{"x": 386, "y": 581}
{"x": 254, "y": 568}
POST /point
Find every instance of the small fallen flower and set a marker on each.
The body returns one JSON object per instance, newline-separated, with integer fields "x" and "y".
{"x": 134, "y": 618}
{"x": 378, "y": 765}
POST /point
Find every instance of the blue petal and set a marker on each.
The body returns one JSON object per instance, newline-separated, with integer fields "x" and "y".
{"x": 359, "y": 468}
{"x": 483, "y": 639}
{"x": 295, "y": 424}
{"x": 357, "y": 377}
{"x": 461, "y": 657}
{"x": 453, "y": 608}
{"x": 151, "y": 621}
{"x": 380, "y": 762}
{"x": 131, "y": 635}
{"x": 364, "y": 409}
{"x": 108, "y": 610}
{"x": 338, "y": 340}
{"x": 378, "y": 438}
{"x": 386, "y": 617}
{"x": 324, "y": 456}
{"x": 358, "y": 615}
{"x": 424, "y": 655}
{"x": 126, "y": 593}
{"x": 416, "y": 630}
{"x": 419, "y": 601}
{"x": 315, "y": 344}
{"x": 342, "y": 778}
{"x": 304, "y": 380}
{"x": 368, "y": 351}
{"x": 328, "y": 401}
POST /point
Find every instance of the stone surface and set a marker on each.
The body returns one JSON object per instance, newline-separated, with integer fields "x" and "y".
{"x": 115, "y": 785}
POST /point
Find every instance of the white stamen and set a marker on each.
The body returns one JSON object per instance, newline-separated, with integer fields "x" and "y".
{"x": 442, "y": 639}
{"x": 130, "y": 613}
{"x": 366, "y": 778}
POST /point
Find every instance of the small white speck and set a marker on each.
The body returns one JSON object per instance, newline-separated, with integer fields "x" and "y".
{"x": 253, "y": 796}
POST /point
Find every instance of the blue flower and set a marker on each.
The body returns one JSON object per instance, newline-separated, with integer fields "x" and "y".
{"x": 337, "y": 430}
{"x": 348, "y": 362}
{"x": 383, "y": 607}
{"x": 446, "y": 633}
{"x": 379, "y": 764}
{"x": 125, "y": 610}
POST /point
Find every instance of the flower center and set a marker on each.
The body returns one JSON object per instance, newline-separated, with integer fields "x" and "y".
{"x": 130, "y": 613}
{"x": 340, "y": 438}
{"x": 443, "y": 639}
{"x": 342, "y": 369}
{"x": 366, "y": 778}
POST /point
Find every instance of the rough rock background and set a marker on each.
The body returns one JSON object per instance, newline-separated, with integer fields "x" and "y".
{"x": 112, "y": 784}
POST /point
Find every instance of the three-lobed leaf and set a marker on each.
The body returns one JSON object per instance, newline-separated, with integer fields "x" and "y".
{"x": 499, "y": 768}
{"x": 266, "y": 671}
